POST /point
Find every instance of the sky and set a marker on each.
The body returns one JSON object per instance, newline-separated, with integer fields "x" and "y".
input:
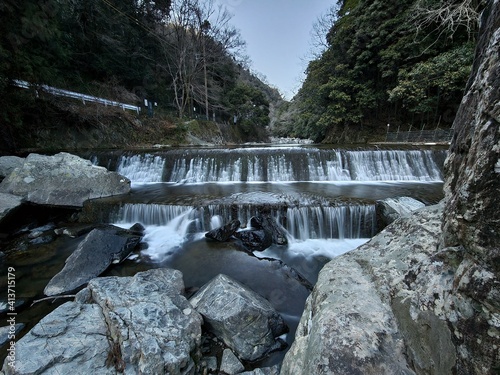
{"x": 278, "y": 37}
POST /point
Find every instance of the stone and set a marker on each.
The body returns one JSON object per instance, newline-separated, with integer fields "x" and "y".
{"x": 94, "y": 254}
{"x": 242, "y": 319}
{"x": 349, "y": 326}
{"x": 263, "y": 371}
{"x": 390, "y": 209}
{"x": 269, "y": 224}
{"x": 230, "y": 364}
{"x": 223, "y": 233}
{"x": 8, "y": 164}
{"x": 131, "y": 325}
{"x": 148, "y": 321}
{"x": 255, "y": 240}
{"x": 8, "y": 204}
{"x": 9, "y": 333}
{"x": 62, "y": 180}
{"x": 72, "y": 337}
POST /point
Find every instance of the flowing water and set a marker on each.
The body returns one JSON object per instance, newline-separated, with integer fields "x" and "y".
{"x": 323, "y": 199}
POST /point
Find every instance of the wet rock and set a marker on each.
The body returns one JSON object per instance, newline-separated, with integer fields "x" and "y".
{"x": 268, "y": 224}
{"x": 230, "y": 364}
{"x": 255, "y": 240}
{"x": 131, "y": 325}
{"x": 8, "y": 204}
{"x": 97, "y": 251}
{"x": 245, "y": 321}
{"x": 62, "y": 180}
{"x": 225, "y": 232}
{"x": 8, "y": 164}
{"x": 390, "y": 209}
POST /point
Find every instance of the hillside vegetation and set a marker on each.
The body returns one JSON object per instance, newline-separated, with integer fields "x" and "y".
{"x": 403, "y": 63}
{"x": 183, "y": 55}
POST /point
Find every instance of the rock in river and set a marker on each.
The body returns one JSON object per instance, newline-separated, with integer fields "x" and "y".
{"x": 62, "y": 180}
{"x": 133, "y": 325}
{"x": 245, "y": 321}
{"x": 99, "y": 248}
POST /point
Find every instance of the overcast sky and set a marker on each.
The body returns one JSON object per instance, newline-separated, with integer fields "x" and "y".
{"x": 277, "y": 33}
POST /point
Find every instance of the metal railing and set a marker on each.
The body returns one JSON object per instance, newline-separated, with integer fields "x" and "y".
{"x": 75, "y": 95}
{"x": 437, "y": 135}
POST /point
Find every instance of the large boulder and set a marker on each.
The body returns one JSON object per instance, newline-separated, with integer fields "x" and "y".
{"x": 155, "y": 328}
{"x": 132, "y": 325}
{"x": 8, "y": 164}
{"x": 245, "y": 321}
{"x": 349, "y": 326}
{"x": 94, "y": 254}
{"x": 62, "y": 180}
{"x": 72, "y": 337}
{"x": 471, "y": 221}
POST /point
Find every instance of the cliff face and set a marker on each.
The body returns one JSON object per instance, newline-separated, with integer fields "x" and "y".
{"x": 423, "y": 296}
{"x": 471, "y": 218}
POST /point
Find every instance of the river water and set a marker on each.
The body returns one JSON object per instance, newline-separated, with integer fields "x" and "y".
{"x": 323, "y": 199}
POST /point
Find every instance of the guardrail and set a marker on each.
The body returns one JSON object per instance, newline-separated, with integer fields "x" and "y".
{"x": 75, "y": 95}
{"x": 437, "y": 135}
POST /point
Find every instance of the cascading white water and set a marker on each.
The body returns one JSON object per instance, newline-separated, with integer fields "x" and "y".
{"x": 142, "y": 168}
{"x": 310, "y": 221}
{"x": 289, "y": 165}
{"x": 354, "y": 221}
{"x": 341, "y": 222}
{"x": 387, "y": 165}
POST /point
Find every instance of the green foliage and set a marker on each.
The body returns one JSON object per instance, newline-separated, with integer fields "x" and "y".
{"x": 138, "y": 45}
{"x": 387, "y": 62}
{"x": 424, "y": 85}
{"x": 249, "y": 106}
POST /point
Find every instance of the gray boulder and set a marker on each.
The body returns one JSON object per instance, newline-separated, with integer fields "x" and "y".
{"x": 94, "y": 254}
{"x": 8, "y": 204}
{"x": 8, "y": 164}
{"x": 72, "y": 337}
{"x": 471, "y": 220}
{"x": 132, "y": 325}
{"x": 155, "y": 328}
{"x": 62, "y": 180}
{"x": 390, "y": 209}
{"x": 245, "y": 321}
{"x": 9, "y": 332}
{"x": 351, "y": 321}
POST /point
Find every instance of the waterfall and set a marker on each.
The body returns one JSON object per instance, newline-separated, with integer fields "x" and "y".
{"x": 142, "y": 168}
{"x": 311, "y": 222}
{"x": 282, "y": 165}
{"x": 354, "y": 221}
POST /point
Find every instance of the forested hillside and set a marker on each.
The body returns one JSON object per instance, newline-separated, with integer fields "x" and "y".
{"x": 403, "y": 63}
{"x": 183, "y": 55}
